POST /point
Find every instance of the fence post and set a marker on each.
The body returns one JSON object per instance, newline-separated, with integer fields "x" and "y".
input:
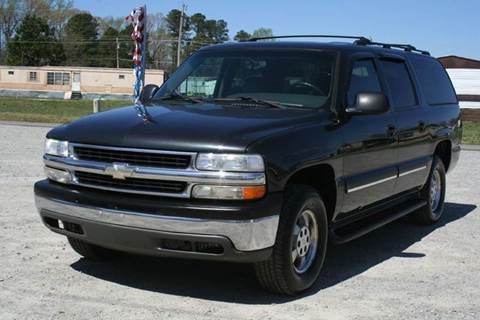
{"x": 96, "y": 105}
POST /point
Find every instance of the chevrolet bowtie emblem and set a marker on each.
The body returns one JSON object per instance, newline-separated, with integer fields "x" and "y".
{"x": 119, "y": 170}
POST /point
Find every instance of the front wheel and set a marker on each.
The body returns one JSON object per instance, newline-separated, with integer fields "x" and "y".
{"x": 301, "y": 243}
{"x": 434, "y": 193}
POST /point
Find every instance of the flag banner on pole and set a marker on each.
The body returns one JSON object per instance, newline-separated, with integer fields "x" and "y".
{"x": 138, "y": 19}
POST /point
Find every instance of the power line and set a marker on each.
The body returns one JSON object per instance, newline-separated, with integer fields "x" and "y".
{"x": 104, "y": 41}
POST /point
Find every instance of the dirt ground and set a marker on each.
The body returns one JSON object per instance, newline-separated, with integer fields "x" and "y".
{"x": 401, "y": 271}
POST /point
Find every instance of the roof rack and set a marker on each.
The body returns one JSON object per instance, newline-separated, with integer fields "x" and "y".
{"x": 406, "y": 47}
{"x": 359, "y": 40}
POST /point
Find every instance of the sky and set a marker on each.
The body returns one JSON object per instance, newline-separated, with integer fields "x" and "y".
{"x": 442, "y": 27}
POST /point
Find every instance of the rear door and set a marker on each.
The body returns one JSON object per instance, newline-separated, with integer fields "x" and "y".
{"x": 414, "y": 154}
{"x": 370, "y": 153}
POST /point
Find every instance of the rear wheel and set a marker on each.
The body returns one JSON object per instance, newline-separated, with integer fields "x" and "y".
{"x": 90, "y": 251}
{"x": 301, "y": 244}
{"x": 434, "y": 193}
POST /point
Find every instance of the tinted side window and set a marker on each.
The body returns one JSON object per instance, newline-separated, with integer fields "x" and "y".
{"x": 434, "y": 81}
{"x": 399, "y": 83}
{"x": 364, "y": 78}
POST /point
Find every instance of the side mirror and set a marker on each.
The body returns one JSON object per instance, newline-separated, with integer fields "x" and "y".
{"x": 369, "y": 103}
{"x": 148, "y": 92}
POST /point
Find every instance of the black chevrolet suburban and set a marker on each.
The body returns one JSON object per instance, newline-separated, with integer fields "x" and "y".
{"x": 259, "y": 151}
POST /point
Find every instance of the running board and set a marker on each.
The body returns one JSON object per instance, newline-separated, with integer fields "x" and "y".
{"x": 356, "y": 229}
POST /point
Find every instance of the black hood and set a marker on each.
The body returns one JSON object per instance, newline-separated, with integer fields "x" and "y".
{"x": 184, "y": 127}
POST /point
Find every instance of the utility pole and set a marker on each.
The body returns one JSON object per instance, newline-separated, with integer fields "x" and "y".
{"x": 118, "y": 49}
{"x": 180, "y": 29}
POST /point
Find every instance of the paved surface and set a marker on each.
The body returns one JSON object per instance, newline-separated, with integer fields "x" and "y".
{"x": 399, "y": 272}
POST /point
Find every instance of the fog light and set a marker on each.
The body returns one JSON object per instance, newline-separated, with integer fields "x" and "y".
{"x": 228, "y": 192}
{"x": 58, "y": 175}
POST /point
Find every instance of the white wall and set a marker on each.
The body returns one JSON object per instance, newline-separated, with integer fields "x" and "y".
{"x": 466, "y": 81}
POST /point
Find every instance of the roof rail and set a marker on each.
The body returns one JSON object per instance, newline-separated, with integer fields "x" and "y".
{"x": 406, "y": 47}
{"x": 360, "y": 38}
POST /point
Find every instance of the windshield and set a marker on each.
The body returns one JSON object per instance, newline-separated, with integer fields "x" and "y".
{"x": 288, "y": 78}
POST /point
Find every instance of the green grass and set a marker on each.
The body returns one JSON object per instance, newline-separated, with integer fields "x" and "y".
{"x": 61, "y": 111}
{"x": 50, "y": 111}
{"x": 471, "y": 132}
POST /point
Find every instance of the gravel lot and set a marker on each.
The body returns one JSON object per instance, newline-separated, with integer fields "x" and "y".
{"x": 401, "y": 271}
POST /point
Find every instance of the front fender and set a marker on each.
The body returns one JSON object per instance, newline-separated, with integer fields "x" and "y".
{"x": 298, "y": 148}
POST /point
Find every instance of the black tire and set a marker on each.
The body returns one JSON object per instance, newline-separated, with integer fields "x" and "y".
{"x": 90, "y": 251}
{"x": 278, "y": 274}
{"x": 432, "y": 212}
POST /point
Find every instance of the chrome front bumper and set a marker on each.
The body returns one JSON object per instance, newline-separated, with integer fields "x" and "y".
{"x": 246, "y": 235}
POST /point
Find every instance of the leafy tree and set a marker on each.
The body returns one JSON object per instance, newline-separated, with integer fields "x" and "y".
{"x": 107, "y": 48}
{"x": 172, "y": 20}
{"x": 213, "y": 31}
{"x": 242, "y": 35}
{"x": 262, "y": 32}
{"x": 221, "y": 31}
{"x": 35, "y": 44}
{"x": 126, "y": 47}
{"x": 207, "y": 31}
{"x": 173, "y": 23}
{"x": 80, "y": 42}
{"x": 105, "y": 23}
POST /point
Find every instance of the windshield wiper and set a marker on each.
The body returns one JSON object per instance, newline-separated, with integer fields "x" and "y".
{"x": 178, "y": 96}
{"x": 273, "y": 104}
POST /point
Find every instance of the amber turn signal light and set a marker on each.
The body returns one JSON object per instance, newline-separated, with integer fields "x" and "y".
{"x": 251, "y": 193}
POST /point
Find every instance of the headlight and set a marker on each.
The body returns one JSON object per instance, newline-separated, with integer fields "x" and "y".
{"x": 228, "y": 192}
{"x": 56, "y": 148}
{"x": 230, "y": 162}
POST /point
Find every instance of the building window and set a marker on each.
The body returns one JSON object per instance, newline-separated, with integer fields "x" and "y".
{"x": 121, "y": 76}
{"x": 58, "y": 78}
{"x": 32, "y": 76}
{"x": 11, "y": 73}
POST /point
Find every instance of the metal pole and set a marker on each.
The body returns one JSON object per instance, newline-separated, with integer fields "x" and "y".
{"x": 118, "y": 49}
{"x": 96, "y": 105}
{"x": 179, "y": 45}
{"x": 145, "y": 47}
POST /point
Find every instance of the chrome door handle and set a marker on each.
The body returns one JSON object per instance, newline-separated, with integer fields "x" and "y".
{"x": 422, "y": 126}
{"x": 391, "y": 129}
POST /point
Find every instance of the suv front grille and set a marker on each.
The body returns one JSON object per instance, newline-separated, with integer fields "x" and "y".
{"x": 147, "y": 159}
{"x": 130, "y": 184}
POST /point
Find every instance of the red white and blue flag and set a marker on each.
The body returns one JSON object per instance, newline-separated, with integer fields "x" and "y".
{"x": 138, "y": 19}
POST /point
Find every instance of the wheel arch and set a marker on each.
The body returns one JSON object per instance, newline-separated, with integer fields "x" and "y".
{"x": 443, "y": 150}
{"x": 322, "y": 178}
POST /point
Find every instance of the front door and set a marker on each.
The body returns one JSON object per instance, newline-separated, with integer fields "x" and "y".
{"x": 76, "y": 82}
{"x": 370, "y": 144}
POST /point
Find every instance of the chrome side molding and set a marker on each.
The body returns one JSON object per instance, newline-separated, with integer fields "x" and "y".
{"x": 374, "y": 183}
{"x": 371, "y": 184}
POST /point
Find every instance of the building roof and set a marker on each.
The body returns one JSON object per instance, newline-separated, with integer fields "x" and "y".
{"x": 456, "y": 62}
{"x": 71, "y": 68}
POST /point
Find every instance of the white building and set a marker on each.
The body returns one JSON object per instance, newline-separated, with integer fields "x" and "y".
{"x": 61, "y": 82}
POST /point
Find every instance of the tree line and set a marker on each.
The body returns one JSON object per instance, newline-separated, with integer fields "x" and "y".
{"x": 54, "y": 32}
